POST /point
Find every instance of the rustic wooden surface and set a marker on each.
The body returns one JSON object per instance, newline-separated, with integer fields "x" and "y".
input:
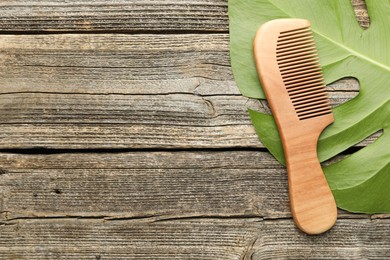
{"x": 124, "y": 136}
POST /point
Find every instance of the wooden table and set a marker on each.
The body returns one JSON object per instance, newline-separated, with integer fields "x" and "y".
{"x": 123, "y": 135}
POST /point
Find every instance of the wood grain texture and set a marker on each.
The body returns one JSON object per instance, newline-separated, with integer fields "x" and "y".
{"x": 189, "y": 239}
{"x": 159, "y": 184}
{"x": 113, "y": 15}
{"x": 126, "y": 239}
{"x": 123, "y": 16}
{"x": 202, "y": 205}
{"x": 138, "y": 184}
{"x": 125, "y": 91}
{"x": 349, "y": 239}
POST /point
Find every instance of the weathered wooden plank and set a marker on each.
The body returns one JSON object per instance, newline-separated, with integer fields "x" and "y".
{"x": 113, "y": 15}
{"x": 190, "y": 239}
{"x": 165, "y": 184}
{"x": 126, "y": 121}
{"x": 174, "y": 109}
{"x": 126, "y": 239}
{"x": 111, "y": 63}
{"x": 122, "y": 16}
{"x": 157, "y": 184}
{"x": 125, "y": 91}
{"x": 349, "y": 239}
{"x": 124, "y": 64}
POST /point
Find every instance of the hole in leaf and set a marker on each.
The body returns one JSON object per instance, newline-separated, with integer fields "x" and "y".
{"x": 361, "y": 13}
{"x": 258, "y": 105}
{"x": 367, "y": 141}
{"x": 371, "y": 139}
{"x": 342, "y": 91}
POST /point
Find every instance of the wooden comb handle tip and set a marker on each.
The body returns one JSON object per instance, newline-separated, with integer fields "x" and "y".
{"x": 312, "y": 203}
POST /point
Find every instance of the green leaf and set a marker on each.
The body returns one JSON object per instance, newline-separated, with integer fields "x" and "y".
{"x": 360, "y": 182}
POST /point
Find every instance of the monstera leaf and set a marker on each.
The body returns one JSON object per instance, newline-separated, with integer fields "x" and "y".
{"x": 360, "y": 182}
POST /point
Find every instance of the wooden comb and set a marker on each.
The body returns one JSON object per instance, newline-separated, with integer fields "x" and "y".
{"x": 291, "y": 76}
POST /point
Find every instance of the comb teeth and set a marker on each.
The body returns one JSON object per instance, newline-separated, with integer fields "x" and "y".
{"x": 300, "y": 69}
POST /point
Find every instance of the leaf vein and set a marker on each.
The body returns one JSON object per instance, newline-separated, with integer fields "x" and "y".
{"x": 340, "y": 45}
